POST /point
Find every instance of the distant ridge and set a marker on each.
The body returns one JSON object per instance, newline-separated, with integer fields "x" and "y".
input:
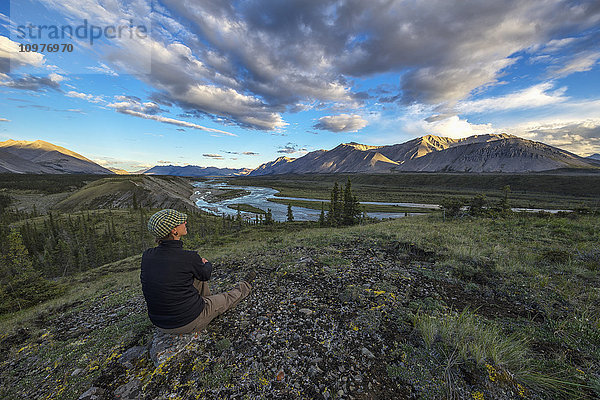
{"x": 594, "y": 157}
{"x": 40, "y": 157}
{"x": 506, "y": 155}
{"x": 479, "y": 153}
{"x": 120, "y": 171}
{"x": 193, "y": 170}
{"x": 430, "y": 153}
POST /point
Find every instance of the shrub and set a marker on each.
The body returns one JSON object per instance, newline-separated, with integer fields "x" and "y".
{"x": 452, "y": 206}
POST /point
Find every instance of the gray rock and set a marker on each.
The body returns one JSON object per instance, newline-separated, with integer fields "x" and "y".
{"x": 93, "y": 393}
{"x": 132, "y": 354}
{"x": 314, "y": 370}
{"x": 77, "y": 371}
{"x": 367, "y": 353}
{"x": 165, "y": 346}
{"x": 306, "y": 311}
{"x": 129, "y": 391}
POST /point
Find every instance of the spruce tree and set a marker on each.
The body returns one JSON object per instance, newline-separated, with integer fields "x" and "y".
{"x": 334, "y": 216}
{"x": 268, "y": 217}
{"x": 350, "y": 205}
{"x": 504, "y": 203}
{"x": 24, "y": 287}
{"x": 290, "y": 215}
{"x": 322, "y": 216}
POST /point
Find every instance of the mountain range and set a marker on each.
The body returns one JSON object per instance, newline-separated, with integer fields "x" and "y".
{"x": 40, "y": 157}
{"x": 193, "y": 170}
{"x": 479, "y": 153}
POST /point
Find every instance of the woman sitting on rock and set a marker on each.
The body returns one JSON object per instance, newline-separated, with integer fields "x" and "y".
{"x": 175, "y": 281}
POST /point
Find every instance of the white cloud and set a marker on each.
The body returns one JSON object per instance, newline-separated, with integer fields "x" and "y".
{"x": 456, "y": 128}
{"x": 291, "y": 148}
{"x": 130, "y": 103}
{"x": 103, "y": 69}
{"x": 228, "y": 102}
{"x": 88, "y": 97}
{"x": 54, "y": 77}
{"x": 11, "y": 57}
{"x": 341, "y": 123}
{"x": 30, "y": 82}
{"x": 248, "y": 63}
{"x": 535, "y": 96}
{"x": 127, "y": 165}
{"x": 581, "y": 137}
{"x": 4, "y": 120}
{"x": 173, "y": 121}
{"x": 581, "y": 63}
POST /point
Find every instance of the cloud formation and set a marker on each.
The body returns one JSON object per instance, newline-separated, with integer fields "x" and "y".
{"x": 579, "y": 137}
{"x": 291, "y": 148}
{"x": 213, "y": 156}
{"x": 87, "y": 97}
{"x": 341, "y": 123}
{"x": 131, "y": 103}
{"x": 247, "y": 63}
{"x": 103, "y": 69}
{"x": 33, "y": 83}
{"x": 581, "y": 63}
{"x": 455, "y": 127}
{"x": 172, "y": 121}
{"x": 532, "y": 97}
{"x": 127, "y": 165}
{"x": 11, "y": 58}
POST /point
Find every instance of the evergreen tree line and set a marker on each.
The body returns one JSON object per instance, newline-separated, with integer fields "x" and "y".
{"x": 47, "y": 183}
{"x": 478, "y": 206}
{"x": 36, "y": 251}
{"x": 344, "y": 208}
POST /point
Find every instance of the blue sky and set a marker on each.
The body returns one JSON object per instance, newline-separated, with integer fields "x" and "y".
{"x": 239, "y": 83}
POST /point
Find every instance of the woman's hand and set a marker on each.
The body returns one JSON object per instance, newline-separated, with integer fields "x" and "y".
{"x": 204, "y": 260}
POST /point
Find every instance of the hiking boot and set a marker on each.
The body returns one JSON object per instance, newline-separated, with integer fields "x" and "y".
{"x": 250, "y": 277}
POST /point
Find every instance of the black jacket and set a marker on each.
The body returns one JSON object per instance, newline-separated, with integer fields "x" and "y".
{"x": 167, "y": 277}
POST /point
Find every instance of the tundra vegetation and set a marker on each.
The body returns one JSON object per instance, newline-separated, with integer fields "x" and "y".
{"x": 482, "y": 303}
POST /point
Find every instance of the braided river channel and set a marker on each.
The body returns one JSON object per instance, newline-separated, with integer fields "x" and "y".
{"x": 259, "y": 197}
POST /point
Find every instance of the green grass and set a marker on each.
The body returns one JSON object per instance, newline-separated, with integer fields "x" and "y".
{"x": 247, "y": 208}
{"x": 46, "y": 183}
{"x": 541, "y": 190}
{"x": 478, "y": 274}
{"x": 316, "y": 205}
{"x": 230, "y": 194}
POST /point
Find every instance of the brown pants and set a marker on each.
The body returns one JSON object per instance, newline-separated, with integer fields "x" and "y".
{"x": 214, "y": 305}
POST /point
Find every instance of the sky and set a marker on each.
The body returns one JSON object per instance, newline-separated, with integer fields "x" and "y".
{"x": 133, "y": 84}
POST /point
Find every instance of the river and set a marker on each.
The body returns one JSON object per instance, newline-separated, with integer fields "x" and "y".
{"x": 259, "y": 196}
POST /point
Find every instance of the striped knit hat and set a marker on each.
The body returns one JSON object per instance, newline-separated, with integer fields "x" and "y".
{"x": 161, "y": 223}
